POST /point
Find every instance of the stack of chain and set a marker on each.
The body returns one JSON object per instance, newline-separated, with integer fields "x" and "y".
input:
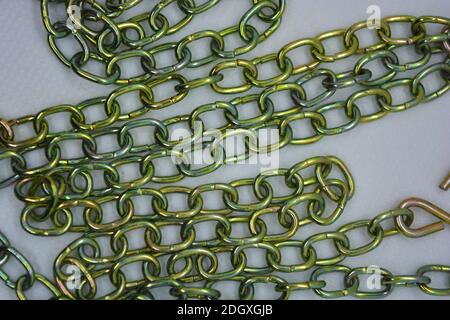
{"x": 52, "y": 192}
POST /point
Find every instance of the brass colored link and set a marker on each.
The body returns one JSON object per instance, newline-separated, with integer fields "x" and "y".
{"x": 314, "y": 43}
{"x": 36, "y": 140}
{"x": 426, "y": 55}
{"x": 418, "y": 33}
{"x": 313, "y": 116}
{"x": 246, "y": 294}
{"x": 156, "y": 12}
{"x": 351, "y": 50}
{"x": 29, "y": 276}
{"x": 291, "y": 87}
{"x": 428, "y": 207}
{"x": 442, "y": 68}
{"x": 346, "y": 79}
{"x": 148, "y": 99}
{"x": 229, "y": 54}
{"x": 380, "y": 54}
{"x": 182, "y": 46}
{"x": 167, "y": 70}
{"x": 349, "y": 289}
{"x": 109, "y": 78}
{"x": 326, "y": 94}
{"x": 246, "y": 65}
{"x": 425, "y": 286}
{"x": 335, "y": 236}
{"x": 112, "y": 117}
{"x": 351, "y": 32}
{"x": 285, "y": 74}
{"x": 420, "y": 96}
{"x": 354, "y": 121}
{"x": 17, "y": 160}
{"x": 369, "y": 271}
{"x": 406, "y": 281}
{"x": 378, "y": 92}
{"x": 145, "y": 57}
{"x": 257, "y": 10}
{"x": 363, "y": 249}
{"x": 276, "y": 13}
{"x": 21, "y": 286}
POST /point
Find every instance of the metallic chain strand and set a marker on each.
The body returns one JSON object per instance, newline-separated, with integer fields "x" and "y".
{"x": 159, "y": 260}
{"x": 304, "y": 108}
{"x": 56, "y": 202}
{"x": 97, "y": 47}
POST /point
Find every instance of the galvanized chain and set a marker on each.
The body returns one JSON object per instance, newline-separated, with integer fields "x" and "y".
{"x": 331, "y": 182}
{"x": 424, "y": 44}
{"x": 246, "y": 290}
{"x": 164, "y": 147}
{"x": 27, "y": 278}
{"x": 312, "y": 109}
{"x": 53, "y": 195}
{"x": 105, "y": 38}
{"x": 53, "y": 191}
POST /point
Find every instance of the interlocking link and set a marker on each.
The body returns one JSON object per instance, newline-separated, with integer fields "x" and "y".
{"x": 387, "y": 279}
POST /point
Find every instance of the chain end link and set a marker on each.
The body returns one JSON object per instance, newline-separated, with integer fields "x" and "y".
{"x": 430, "y": 208}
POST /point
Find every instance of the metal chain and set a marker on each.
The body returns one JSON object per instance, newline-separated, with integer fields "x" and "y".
{"x": 105, "y": 38}
{"x": 51, "y": 193}
{"x": 190, "y": 268}
{"x": 312, "y": 109}
{"x": 25, "y": 280}
{"x": 247, "y": 291}
{"x": 201, "y": 257}
{"x": 424, "y": 44}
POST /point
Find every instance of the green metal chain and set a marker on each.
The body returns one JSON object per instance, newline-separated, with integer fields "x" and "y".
{"x": 193, "y": 267}
{"x": 97, "y": 45}
{"x": 197, "y": 278}
{"x": 304, "y": 108}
